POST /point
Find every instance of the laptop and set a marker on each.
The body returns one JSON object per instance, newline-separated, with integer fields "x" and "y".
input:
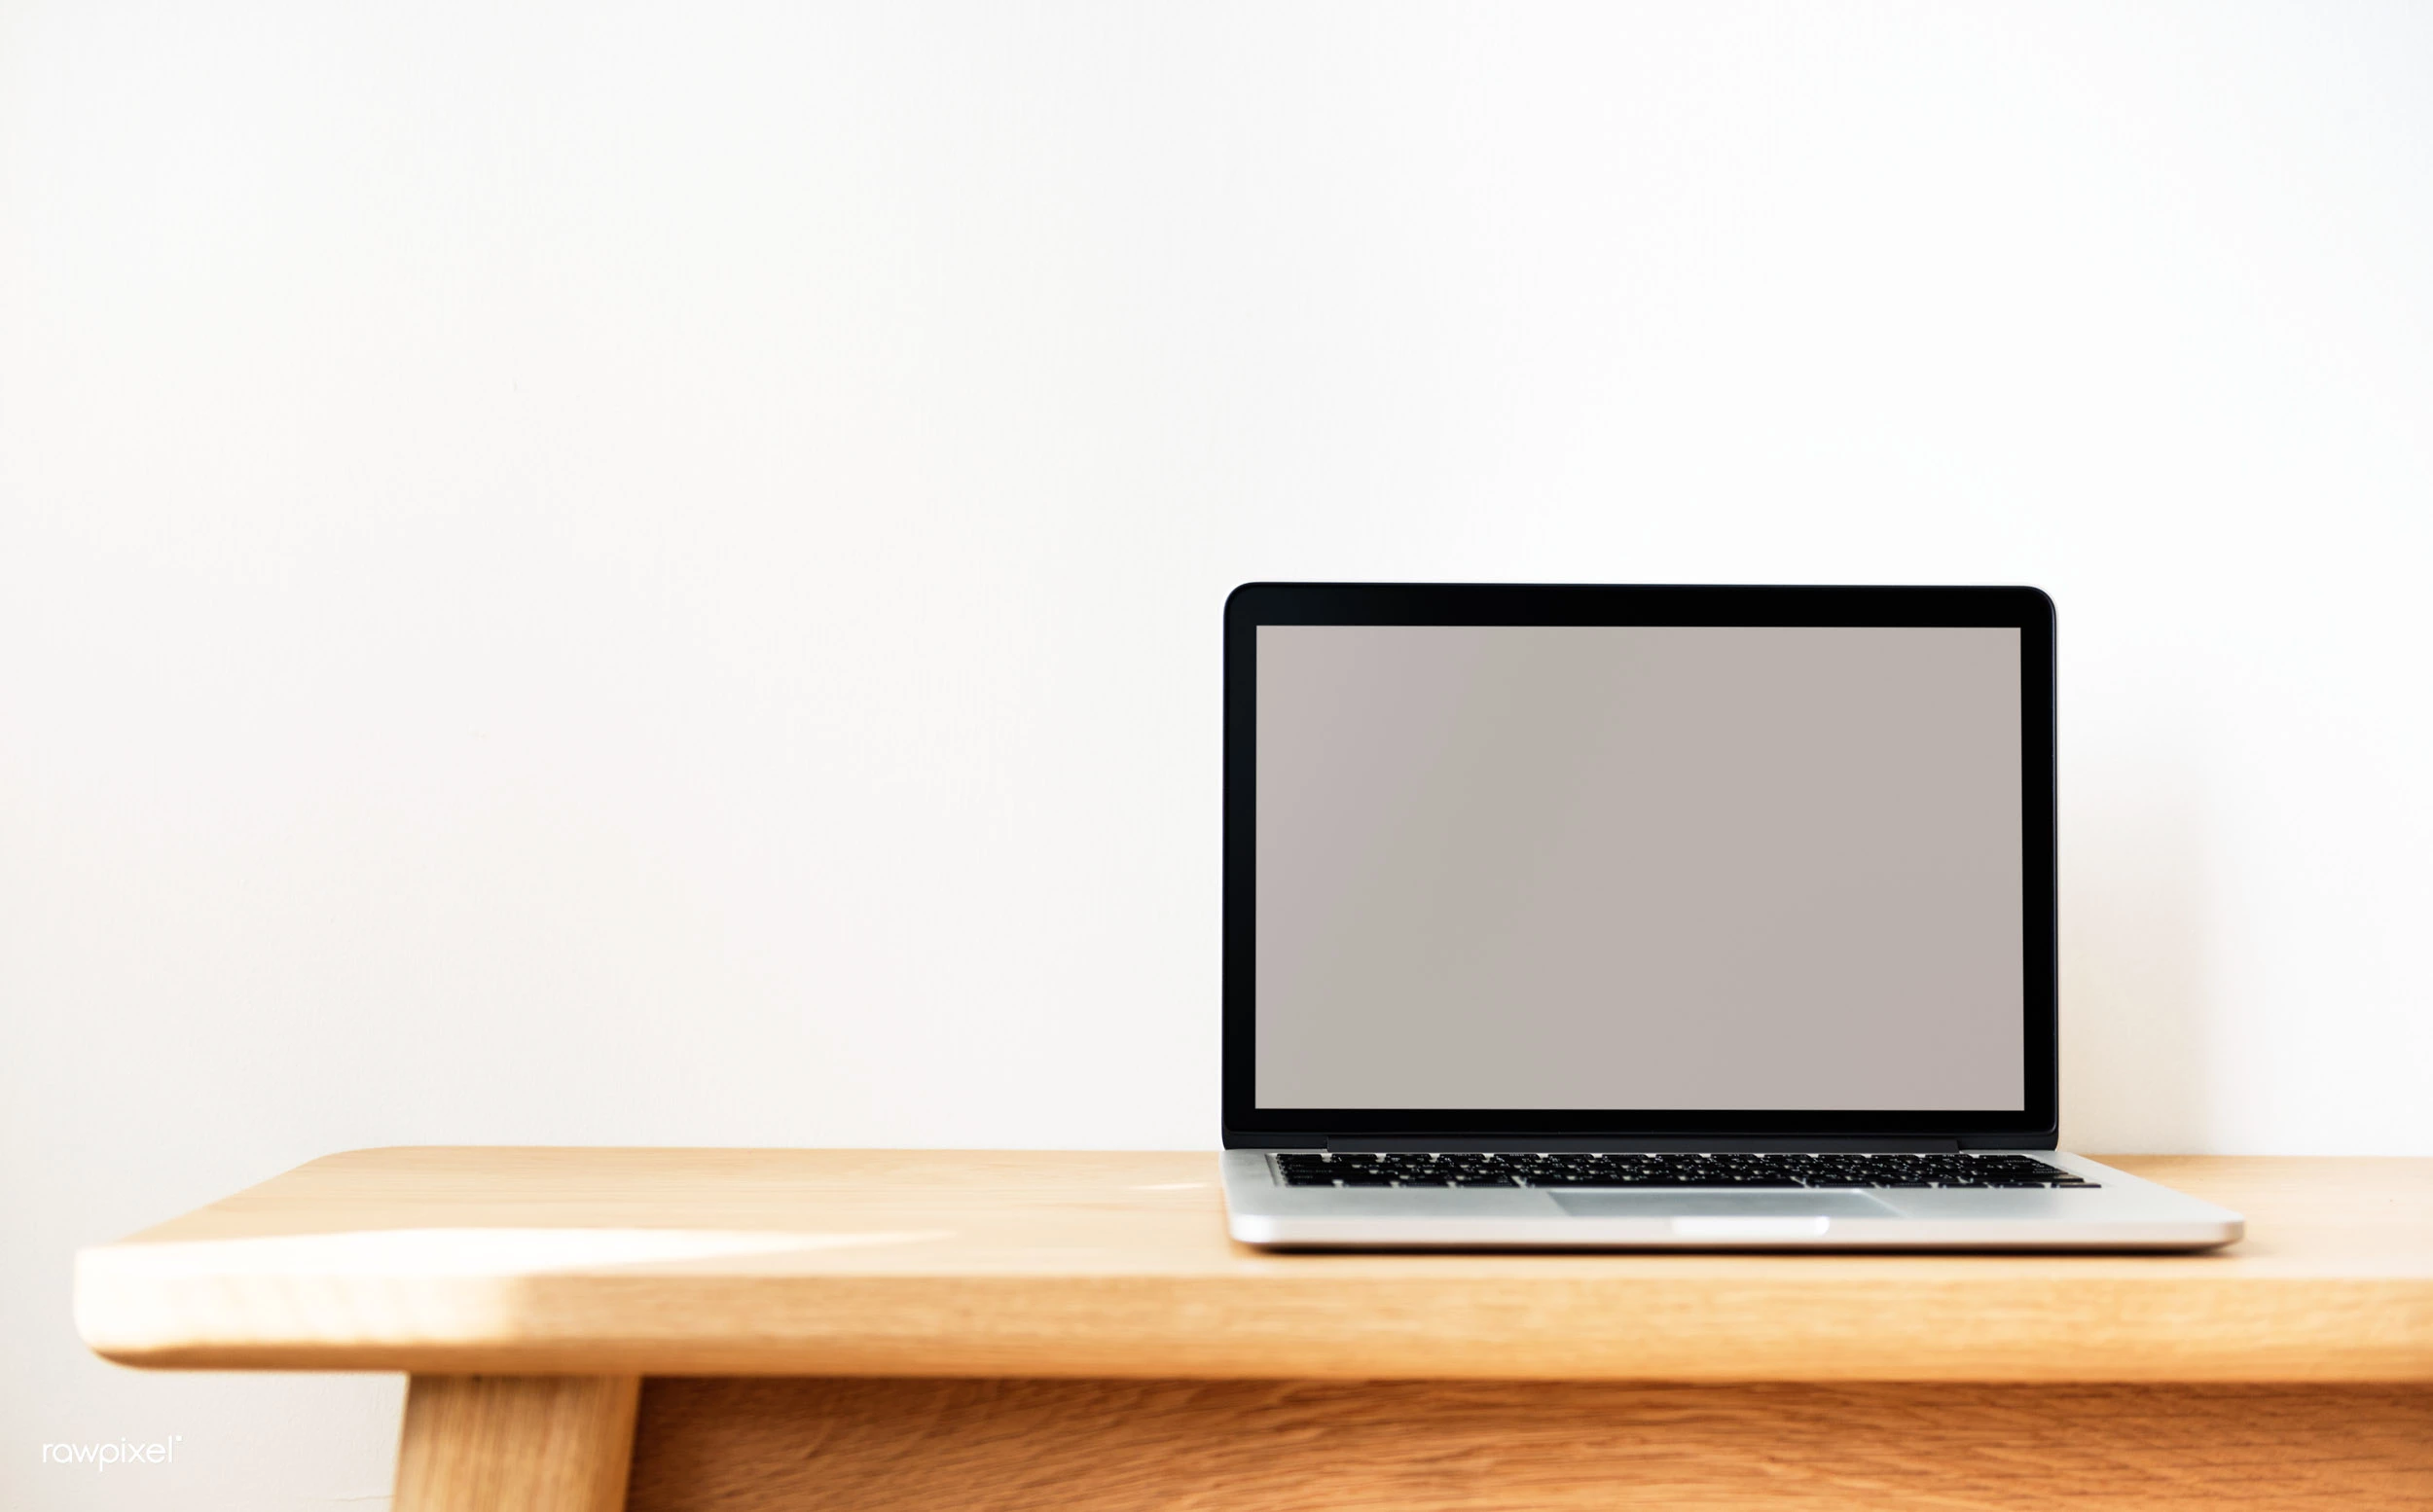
{"x": 1650, "y": 917}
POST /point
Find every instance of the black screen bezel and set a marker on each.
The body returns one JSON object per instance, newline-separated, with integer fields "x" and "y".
{"x": 2025, "y": 609}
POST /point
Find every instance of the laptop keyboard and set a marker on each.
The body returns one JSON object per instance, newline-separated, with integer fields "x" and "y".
{"x": 1676, "y": 1170}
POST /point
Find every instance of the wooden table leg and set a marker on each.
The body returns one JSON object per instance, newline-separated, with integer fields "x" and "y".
{"x": 516, "y": 1444}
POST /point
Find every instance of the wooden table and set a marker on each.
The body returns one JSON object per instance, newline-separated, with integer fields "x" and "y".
{"x": 924, "y": 1329}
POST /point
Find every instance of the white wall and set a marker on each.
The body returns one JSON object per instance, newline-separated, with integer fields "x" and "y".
{"x": 582, "y": 573}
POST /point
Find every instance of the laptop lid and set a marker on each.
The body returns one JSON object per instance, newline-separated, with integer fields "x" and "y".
{"x": 1638, "y": 865}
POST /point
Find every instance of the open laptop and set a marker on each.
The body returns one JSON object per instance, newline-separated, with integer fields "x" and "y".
{"x": 1650, "y": 917}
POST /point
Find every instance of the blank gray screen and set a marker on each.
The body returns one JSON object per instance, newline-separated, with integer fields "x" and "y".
{"x": 1639, "y": 868}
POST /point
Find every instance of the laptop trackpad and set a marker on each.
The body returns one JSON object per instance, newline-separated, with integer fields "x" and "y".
{"x": 1791, "y": 1204}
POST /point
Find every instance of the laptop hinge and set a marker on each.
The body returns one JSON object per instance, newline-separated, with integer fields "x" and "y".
{"x": 1389, "y": 1144}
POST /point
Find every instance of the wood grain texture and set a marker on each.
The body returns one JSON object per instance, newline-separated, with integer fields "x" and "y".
{"x": 1100, "y": 1446}
{"x": 516, "y": 1444}
{"x": 1007, "y": 1263}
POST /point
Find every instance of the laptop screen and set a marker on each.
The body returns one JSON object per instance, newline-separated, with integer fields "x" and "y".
{"x": 1591, "y": 865}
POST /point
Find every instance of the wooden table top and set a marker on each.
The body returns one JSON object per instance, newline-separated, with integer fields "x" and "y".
{"x": 1027, "y": 1263}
